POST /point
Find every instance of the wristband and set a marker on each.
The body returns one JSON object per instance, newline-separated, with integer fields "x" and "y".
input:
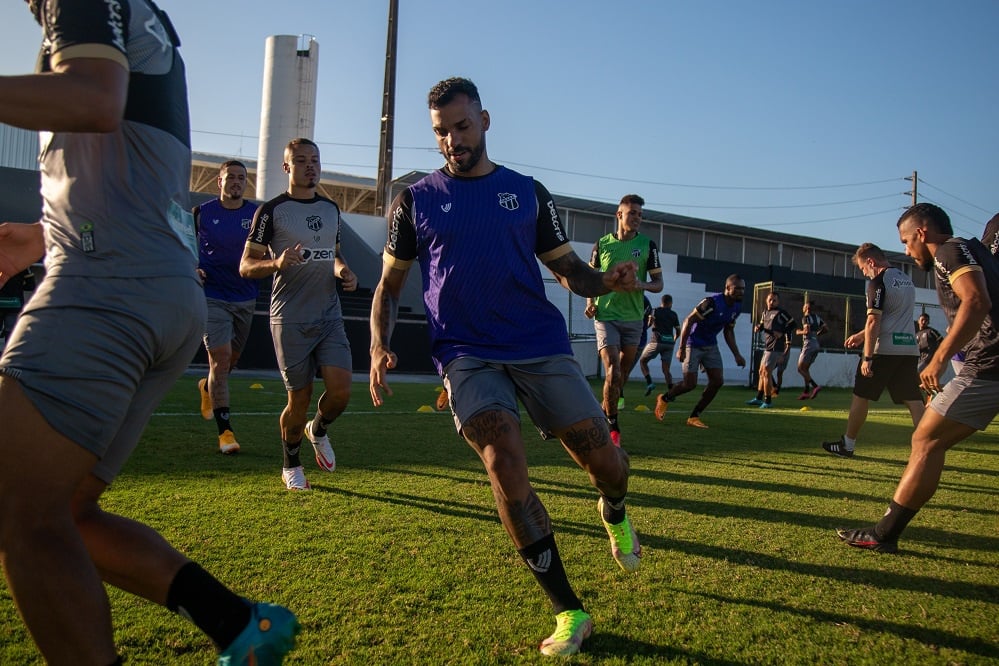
{"x": 869, "y": 359}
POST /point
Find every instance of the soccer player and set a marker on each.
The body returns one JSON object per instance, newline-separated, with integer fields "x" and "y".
{"x": 618, "y": 316}
{"x": 665, "y": 330}
{"x": 812, "y": 327}
{"x": 775, "y": 323}
{"x": 927, "y": 340}
{"x": 699, "y": 348}
{"x": 990, "y": 237}
{"x": 888, "y": 343}
{"x": 222, "y": 225}
{"x": 967, "y": 282}
{"x": 105, "y": 336}
{"x": 476, "y": 227}
{"x": 296, "y": 238}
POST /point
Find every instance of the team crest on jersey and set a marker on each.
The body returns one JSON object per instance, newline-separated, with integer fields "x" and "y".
{"x": 247, "y": 221}
{"x": 508, "y": 201}
{"x": 314, "y": 222}
{"x": 636, "y": 253}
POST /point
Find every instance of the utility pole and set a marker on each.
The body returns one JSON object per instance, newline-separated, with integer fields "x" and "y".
{"x": 384, "y": 182}
{"x": 915, "y": 187}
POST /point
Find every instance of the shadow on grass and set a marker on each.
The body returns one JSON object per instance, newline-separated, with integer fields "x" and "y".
{"x": 920, "y": 634}
{"x": 609, "y": 645}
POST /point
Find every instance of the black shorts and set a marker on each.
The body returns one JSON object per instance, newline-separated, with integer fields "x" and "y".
{"x": 895, "y": 373}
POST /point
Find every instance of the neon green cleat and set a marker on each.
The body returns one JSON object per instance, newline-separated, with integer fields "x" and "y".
{"x": 625, "y": 548}
{"x": 572, "y": 627}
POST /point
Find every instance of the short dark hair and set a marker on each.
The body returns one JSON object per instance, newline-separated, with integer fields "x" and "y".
{"x": 870, "y": 251}
{"x": 734, "y": 277}
{"x": 229, "y": 163}
{"x": 632, "y": 199}
{"x": 445, "y": 91}
{"x": 667, "y": 298}
{"x": 301, "y": 141}
{"x": 929, "y": 214}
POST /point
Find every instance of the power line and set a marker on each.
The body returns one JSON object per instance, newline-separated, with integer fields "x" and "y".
{"x": 954, "y": 197}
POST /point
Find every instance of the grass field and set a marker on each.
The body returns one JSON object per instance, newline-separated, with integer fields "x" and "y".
{"x": 398, "y": 556}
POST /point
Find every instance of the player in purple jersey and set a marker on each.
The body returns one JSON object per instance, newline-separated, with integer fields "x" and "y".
{"x": 223, "y": 225}
{"x": 698, "y": 347}
{"x": 967, "y": 280}
{"x": 105, "y": 336}
{"x": 478, "y": 230}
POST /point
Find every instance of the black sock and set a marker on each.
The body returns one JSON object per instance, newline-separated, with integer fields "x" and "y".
{"x": 895, "y": 520}
{"x": 612, "y": 423}
{"x": 291, "y": 458}
{"x": 767, "y": 400}
{"x": 648, "y": 379}
{"x": 613, "y": 509}
{"x": 759, "y": 395}
{"x": 217, "y": 611}
{"x": 319, "y": 424}
{"x": 543, "y": 560}
{"x": 222, "y": 419}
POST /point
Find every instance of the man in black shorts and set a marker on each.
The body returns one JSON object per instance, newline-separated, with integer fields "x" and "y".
{"x": 889, "y": 347}
{"x": 109, "y": 330}
{"x": 967, "y": 282}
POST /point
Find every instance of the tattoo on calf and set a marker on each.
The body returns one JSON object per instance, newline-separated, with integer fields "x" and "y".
{"x": 529, "y": 520}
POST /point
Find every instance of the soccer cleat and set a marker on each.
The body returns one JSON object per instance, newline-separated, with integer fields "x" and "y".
{"x": 267, "y": 638}
{"x": 838, "y": 448}
{"x": 442, "y": 400}
{"x": 206, "y": 400}
{"x": 625, "y": 548}
{"x": 815, "y": 392}
{"x": 649, "y": 388}
{"x": 754, "y": 401}
{"x": 620, "y": 402}
{"x": 616, "y": 438}
{"x": 765, "y": 405}
{"x": 572, "y": 627}
{"x": 866, "y": 539}
{"x": 324, "y": 450}
{"x": 228, "y": 443}
{"x": 696, "y": 422}
{"x": 662, "y": 404}
{"x": 805, "y": 395}
{"x": 294, "y": 478}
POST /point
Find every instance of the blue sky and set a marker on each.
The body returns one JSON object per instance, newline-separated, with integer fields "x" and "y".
{"x": 801, "y": 117}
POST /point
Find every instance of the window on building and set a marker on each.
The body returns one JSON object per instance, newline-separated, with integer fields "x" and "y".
{"x": 728, "y": 248}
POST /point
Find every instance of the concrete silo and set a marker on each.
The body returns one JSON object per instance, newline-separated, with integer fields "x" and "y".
{"x": 288, "y": 105}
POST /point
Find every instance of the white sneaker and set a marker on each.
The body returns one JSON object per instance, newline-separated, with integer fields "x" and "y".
{"x": 324, "y": 450}
{"x": 294, "y": 478}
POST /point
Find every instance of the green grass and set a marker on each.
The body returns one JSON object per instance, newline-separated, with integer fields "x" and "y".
{"x": 399, "y": 558}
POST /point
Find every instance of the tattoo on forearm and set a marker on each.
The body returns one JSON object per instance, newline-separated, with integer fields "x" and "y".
{"x": 579, "y": 277}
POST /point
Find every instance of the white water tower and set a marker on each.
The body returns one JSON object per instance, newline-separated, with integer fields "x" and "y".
{"x": 288, "y": 105}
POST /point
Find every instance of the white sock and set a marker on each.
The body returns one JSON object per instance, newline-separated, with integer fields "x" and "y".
{"x": 848, "y": 443}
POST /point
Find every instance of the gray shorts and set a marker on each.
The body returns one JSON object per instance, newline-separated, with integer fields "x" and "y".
{"x": 972, "y": 402}
{"x": 709, "y": 357}
{"x": 617, "y": 333}
{"x": 554, "y": 391}
{"x": 96, "y": 355}
{"x": 302, "y": 349}
{"x": 809, "y": 352}
{"x": 771, "y": 359}
{"x": 653, "y": 349}
{"x": 228, "y": 323}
